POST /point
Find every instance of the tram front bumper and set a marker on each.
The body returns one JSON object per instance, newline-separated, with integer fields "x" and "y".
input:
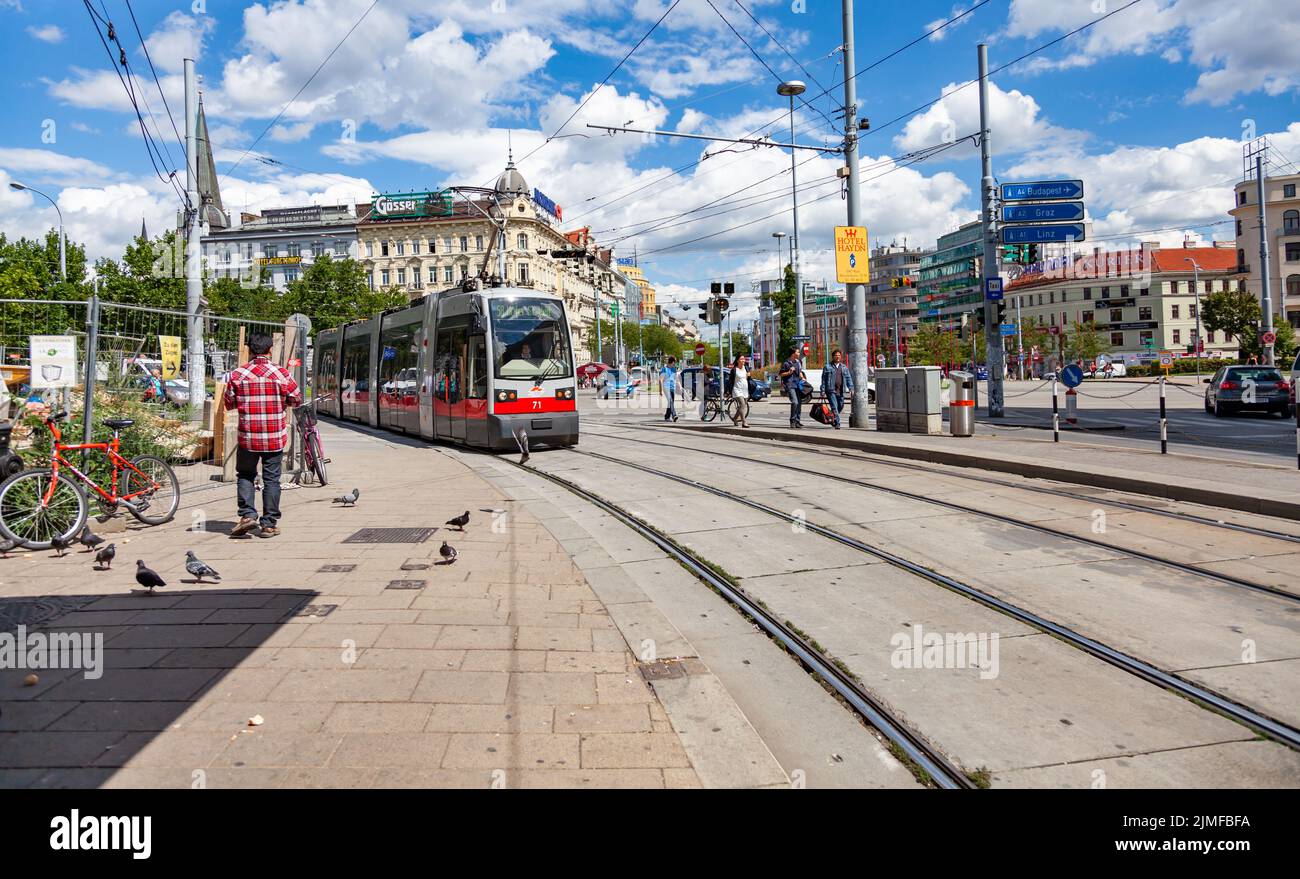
{"x": 551, "y": 428}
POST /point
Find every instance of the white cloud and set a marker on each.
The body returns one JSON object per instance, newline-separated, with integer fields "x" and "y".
{"x": 180, "y": 36}
{"x": 1015, "y": 118}
{"x": 38, "y": 166}
{"x": 47, "y": 33}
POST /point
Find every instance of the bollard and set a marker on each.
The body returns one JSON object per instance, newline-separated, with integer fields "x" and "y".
{"x": 1056, "y": 416}
{"x": 1164, "y": 422}
{"x": 1071, "y": 406}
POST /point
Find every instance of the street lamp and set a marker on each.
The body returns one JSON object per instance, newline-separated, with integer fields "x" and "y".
{"x": 63, "y": 257}
{"x": 1196, "y": 291}
{"x": 790, "y": 89}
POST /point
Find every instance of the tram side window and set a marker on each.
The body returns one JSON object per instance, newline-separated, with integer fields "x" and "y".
{"x": 325, "y": 374}
{"x": 398, "y": 360}
{"x": 356, "y": 364}
{"x": 478, "y": 370}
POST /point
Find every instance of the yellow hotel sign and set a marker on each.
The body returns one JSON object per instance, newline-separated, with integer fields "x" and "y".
{"x": 851, "y": 261}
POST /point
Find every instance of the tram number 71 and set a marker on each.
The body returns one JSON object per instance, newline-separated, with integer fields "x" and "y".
{"x": 537, "y": 404}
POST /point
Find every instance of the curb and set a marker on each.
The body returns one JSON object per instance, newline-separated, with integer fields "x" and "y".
{"x": 1209, "y": 497}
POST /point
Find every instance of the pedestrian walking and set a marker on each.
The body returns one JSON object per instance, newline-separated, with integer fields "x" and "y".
{"x": 792, "y": 379}
{"x": 668, "y": 382}
{"x": 261, "y": 391}
{"x": 738, "y": 390}
{"x": 837, "y": 383}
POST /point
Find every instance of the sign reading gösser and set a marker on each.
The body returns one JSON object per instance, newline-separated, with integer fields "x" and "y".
{"x": 412, "y": 204}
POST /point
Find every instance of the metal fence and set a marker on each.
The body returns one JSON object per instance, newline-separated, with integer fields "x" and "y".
{"x": 125, "y": 343}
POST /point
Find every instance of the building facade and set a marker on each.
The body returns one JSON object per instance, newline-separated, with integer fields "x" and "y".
{"x": 648, "y": 308}
{"x": 948, "y": 279}
{"x": 893, "y": 312}
{"x": 1141, "y": 301}
{"x": 1282, "y": 225}
{"x": 281, "y": 243}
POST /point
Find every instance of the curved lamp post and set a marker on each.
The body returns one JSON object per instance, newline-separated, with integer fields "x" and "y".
{"x": 63, "y": 258}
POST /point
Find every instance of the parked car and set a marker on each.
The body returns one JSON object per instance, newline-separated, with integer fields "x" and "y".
{"x": 615, "y": 383}
{"x": 176, "y": 392}
{"x": 1242, "y": 388}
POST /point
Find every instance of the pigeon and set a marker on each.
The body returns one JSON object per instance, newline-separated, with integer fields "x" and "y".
{"x": 90, "y": 539}
{"x": 198, "y": 568}
{"x": 6, "y": 546}
{"x": 460, "y": 521}
{"x": 348, "y": 500}
{"x": 147, "y": 578}
{"x": 61, "y": 544}
{"x": 448, "y": 553}
{"x": 105, "y": 556}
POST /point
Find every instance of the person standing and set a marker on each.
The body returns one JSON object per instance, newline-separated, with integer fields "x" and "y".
{"x": 738, "y": 390}
{"x": 668, "y": 382}
{"x": 837, "y": 383}
{"x": 261, "y": 391}
{"x": 792, "y": 381}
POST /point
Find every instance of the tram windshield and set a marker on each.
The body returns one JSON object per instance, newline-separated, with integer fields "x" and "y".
{"x": 530, "y": 339}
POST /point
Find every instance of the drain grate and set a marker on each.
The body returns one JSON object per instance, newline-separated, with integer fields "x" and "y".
{"x": 335, "y": 569}
{"x": 15, "y": 612}
{"x": 391, "y": 535}
{"x": 661, "y": 670}
{"x": 406, "y": 584}
{"x": 316, "y": 610}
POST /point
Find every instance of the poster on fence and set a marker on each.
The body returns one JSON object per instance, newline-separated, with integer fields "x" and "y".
{"x": 171, "y": 356}
{"x": 54, "y": 361}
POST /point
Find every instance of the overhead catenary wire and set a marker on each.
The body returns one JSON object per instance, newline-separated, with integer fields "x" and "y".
{"x": 145, "y": 47}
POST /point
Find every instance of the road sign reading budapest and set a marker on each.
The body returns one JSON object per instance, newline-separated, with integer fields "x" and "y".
{"x": 1042, "y": 234}
{"x": 851, "y": 263}
{"x": 1042, "y": 190}
{"x": 1042, "y": 213}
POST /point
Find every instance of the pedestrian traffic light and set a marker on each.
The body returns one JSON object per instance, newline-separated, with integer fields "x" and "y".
{"x": 1001, "y": 310}
{"x": 1030, "y": 253}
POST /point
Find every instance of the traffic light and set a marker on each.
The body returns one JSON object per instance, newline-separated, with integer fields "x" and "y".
{"x": 894, "y": 282}
{"x": 1001, "y": 310}
{"x": 1009, "y": 253}
{"x": 1030, "y": 253}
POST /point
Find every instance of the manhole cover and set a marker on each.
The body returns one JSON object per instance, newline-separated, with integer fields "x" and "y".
{"x": 316, "y": 610}
{"x": 658, "y": 671}
{"x": 391, "y": 535}
{"x": 406, "y": 584}
{"x": 15, "y": 612}
{"x": 335, "y": 569}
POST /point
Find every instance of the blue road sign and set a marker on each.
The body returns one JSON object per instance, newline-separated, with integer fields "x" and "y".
{"x": 1042, "y": 213}
{"x": 992, "y": 289}
{"x": 1042, "y": 234}
{"x": 1042, "y": 190}
{"x": 1007, "y": 329}
{"x": 1072, "y": 376}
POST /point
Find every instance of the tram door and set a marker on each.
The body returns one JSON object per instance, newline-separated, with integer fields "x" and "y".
{"x": 448, "y": 386}
{"x": 476, "y": 392}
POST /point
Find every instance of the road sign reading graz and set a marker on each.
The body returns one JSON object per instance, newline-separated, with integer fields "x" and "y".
{"x": 1042, "y": 190}
{"x": 851, "y": 261}
{"x": 1042, "y": 213}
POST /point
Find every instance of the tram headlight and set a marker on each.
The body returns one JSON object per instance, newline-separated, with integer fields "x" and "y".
{"x": 564, "y": 393}
{"x": 501, "y": 395}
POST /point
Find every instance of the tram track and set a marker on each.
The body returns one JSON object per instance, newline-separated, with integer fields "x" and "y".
{"x": 916, "y": 466}
{"x": 1182, "y": 567}
{"x": 1212, "y": 700}
{"x": 916, "y": 748}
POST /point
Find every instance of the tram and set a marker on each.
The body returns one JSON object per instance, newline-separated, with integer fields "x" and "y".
{"x": 479, "y": 367}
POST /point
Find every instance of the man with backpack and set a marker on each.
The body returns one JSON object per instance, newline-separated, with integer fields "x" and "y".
{"x": 792, "y": 381}
{"x": 837, "y": 383}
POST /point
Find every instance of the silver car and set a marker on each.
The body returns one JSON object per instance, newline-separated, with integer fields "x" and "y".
{"x": 1247, "y": 388}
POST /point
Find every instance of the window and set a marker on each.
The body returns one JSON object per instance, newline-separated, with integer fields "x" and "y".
{"x": 1178, "y": 336}
{"x": 1173, "y": 286}
{"x": 1209, "y": 336}
{"x": 270, "y": 251}
{"x": 446, "y": 244}
{"x": 523, "y": 272}
{"x": 531, "y": 338}
{"x": 1053, "y": 318}
{"x": 1173, "y": 311}
{"x": 370, "y": 249}
{"x": 340, "y": 248}
{"x": 464, "y": 271}
{"x": 1087, "y": 292}
{"x": 1293, "y": 250}
{"x": 1191, "y": 310}
{"x": 1241, "y": 197}
{"x": 1241, "y": 262}
{"x": 1105, "y": 291}
{"x": 1086, "y": 317}
{"x": 1144, "y": 313}
{"x": 401, "y": 248}
{"x": 1288, "y": 190}
{"x": 293, "y": 248}
{"x": 317, "y": 249}
{"x": 415, "y": 278}
{"x": 464, "y": 244}
{"x": 1209, "y": 286}
{"x": 415, "y": 247}
{"x": 478, "y": 243}
{"x": 383, "y": 248}
{"x": 1040, "y": 298}
{"x": 521, "y": 242}
{"x": 383, "y": 278}
{"x": 1051, "y": 298}
{"x": 1145, "y": 291}
{"x": 290, "y": 275}
{"x": 1239, "y": 228}
{"x": 370, "y": 280}
{"x": 401, "y": 277}
{"x": 433, "y": 245}
{"x": 1117, "y": 339}
{"x": 1123, "y": 290}
{"x": 448, "y": 276}
{"x": 1146, "y": 338}
{"x": 1293, "y": 285}
{"x": 1116, "y": 315}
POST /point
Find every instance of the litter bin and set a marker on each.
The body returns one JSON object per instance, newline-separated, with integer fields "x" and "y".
{"x": 961, "y": 408}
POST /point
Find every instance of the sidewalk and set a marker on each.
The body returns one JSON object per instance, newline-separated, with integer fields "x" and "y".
{"x": 368, "y": 664}
{"x": 1250, "y": 487}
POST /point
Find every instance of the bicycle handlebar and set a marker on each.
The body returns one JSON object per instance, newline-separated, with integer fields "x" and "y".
{"x": 57, "y": 416}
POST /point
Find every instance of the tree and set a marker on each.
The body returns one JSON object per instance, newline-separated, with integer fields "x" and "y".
{"x": 29, "y": 269}
{"x": 784, "y": 301}
{"x": 1084, "y": 342}
{"x": 332, "y": 292}
{"x": 932, "y": 346}
{"x": 1237, "y": 313}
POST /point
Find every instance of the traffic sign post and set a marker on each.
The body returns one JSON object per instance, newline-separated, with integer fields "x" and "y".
{"x": 700, "y": 349}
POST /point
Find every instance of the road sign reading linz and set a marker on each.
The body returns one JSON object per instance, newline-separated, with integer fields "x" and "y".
{"x": 1057, "y": 232}
{"x": 1042, "y": 190}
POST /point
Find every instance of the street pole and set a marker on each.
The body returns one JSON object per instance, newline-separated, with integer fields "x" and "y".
{"x": 856, "y": 294}
{"x": 92, "y": 354}
{"x": 598, "y": 356}
{"x": 1020, "y": 344}
{"x": 1196, "y": 293}
{"x": 196, "y": 373}
{"x": 63, "y": 238}
{"x": 790, "y": 89}
{"x": 992, "y": 328}
{"x": 1266, "y": 302}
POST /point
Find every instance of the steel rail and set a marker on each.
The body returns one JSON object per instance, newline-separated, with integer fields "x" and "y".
{"x": 1260, "y": 723}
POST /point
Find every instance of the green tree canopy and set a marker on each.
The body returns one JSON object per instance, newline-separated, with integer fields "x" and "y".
{"x": 334, "y": 291}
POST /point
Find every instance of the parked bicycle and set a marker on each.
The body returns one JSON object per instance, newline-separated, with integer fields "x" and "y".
{"x": 313, "y": 455}
{"x": 712, "y": 407}
{"x": 39, "y": 505}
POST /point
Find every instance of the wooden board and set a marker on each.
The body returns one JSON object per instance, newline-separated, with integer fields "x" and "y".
{"x": 218, "y": 421}
{"x": 243, "y": 348}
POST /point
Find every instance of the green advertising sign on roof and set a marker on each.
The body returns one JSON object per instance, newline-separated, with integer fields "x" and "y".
{"x": 411, "y": 204}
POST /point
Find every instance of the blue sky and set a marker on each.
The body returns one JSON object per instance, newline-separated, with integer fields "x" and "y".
{"x": 1148, "y": 107}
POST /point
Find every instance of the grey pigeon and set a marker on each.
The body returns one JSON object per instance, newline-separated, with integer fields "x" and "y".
{"x": 448, "y": 553}
{"x": 460, "y": 521}
{"x": 147, "y": 578}
{"x": 199, "y": 569}
{"x": 89, "y": 539}
{"x": 61, "y": 544}
{"x": 105, "y": 556}
{"x": 348, "y": 500}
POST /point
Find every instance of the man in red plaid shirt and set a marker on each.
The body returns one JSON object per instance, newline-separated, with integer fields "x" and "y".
{"x": 261, "y": 391}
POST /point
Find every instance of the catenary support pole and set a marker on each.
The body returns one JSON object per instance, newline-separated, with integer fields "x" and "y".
{"x": 1265, "y": 299}
{"x": 993, "y": 349}
{"x": 1164, "y": 421}
{"x": 92, "y": 355}
{"x": 859, "y": 362}
{"x": 1056, "y": 415}
{"x": 196, "y": 374}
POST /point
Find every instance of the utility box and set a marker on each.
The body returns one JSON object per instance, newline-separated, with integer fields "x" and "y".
{"x": 891, "y": 400}
{"x": 923, "y": 400}
{"x": 961, "y": 408}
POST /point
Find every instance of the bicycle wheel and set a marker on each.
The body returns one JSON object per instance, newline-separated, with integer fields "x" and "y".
{"x": 732, "y": 405}
{"x": 159, "y": 486}
{"x": 711, "y": 409}
{"x": 315, "y": 457}
{"x": 27, "y": 520}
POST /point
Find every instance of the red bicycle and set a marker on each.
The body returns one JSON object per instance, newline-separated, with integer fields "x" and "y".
{"x": 39, "y": 505}
{"x": 313, "y": 456}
